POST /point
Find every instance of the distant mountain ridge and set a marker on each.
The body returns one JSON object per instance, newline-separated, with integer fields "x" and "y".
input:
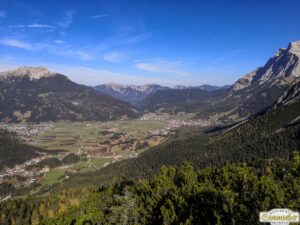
{"x": 181, "y": 100}
{"x": 250, "y": 94}
{"x": 34, "y": 94}
{"x": 136, "y": 94}
{"x": 133, "y": 94}
{"x": 204, "y": 87}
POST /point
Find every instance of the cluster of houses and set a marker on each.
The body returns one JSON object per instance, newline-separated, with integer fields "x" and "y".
{"x": 171, "y": 124}
{"x": 27, "y": 131}
{"x": 21, "y": 169}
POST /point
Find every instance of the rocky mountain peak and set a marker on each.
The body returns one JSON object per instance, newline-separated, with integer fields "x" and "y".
{"x": 282, "y": 68}
{"x": 32, "y": 72}
{"x": 121, "y": 87}
{"x": 294, "y": 47}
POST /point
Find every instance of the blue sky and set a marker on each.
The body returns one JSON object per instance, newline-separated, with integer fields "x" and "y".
{"x": 167, "y": 42}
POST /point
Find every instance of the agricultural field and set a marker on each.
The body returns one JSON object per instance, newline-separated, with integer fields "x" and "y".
{"x": 107, "y": 138}
{"x": 98, "y": 144}
{"x": 60, "y": 173}
{"x": 83, "y": 146}
{"x": 79, "y": 147}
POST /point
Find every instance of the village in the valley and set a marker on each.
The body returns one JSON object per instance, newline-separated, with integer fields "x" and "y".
{"x": 91, "y": 144}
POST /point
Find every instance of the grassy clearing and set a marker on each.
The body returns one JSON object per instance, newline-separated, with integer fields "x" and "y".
{"x": 53, "y": 176}
{"x": 97, "y": 162}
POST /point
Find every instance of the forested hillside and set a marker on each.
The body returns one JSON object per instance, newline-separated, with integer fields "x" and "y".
{"x": 183, "y": 100}
{"x": 233, "y": 194}
{"x": 13, "y": 152}
{"x": 34, "y": 94}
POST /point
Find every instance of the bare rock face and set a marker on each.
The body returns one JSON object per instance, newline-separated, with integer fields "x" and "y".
{"x": 32, "y": 72}
{"x": 282, "y": 68}
{"x": 245, "y": 81}
{"x": 290, "y": 95}
{"x": 295, "y": 47}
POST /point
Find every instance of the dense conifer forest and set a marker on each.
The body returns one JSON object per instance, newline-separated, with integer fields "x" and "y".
{"x": 232, "y": 194}
{"x": 13, "y": 151}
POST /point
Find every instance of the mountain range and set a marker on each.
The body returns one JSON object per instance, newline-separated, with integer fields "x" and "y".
{"x": 136, "y": 94}
{"x": 248, "y": 95}
{"x": 34, "y": 94}
{"x": 133, "y": 94}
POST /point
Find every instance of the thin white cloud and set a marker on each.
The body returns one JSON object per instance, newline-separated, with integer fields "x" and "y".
{"x": 62, "y": 50}
{"x": 149, "y": 67}
{"x": 59, "y": 42}
{"x": 17, "y": 44}
{"x": 41, "y": 26}
{"x": 92, "y": 76}
{"x": 98, "y": 16}
{"x": 113, "y": 57}
{"x": 35, "y": 25}
{"x": 67, "y": 19}
{"x": 17, "y": 26}
{"x": 82, "y": 75}
{"x": 122, "y": 40}
{"x": 133, "y": 39}
{"x": 162, "y": 66}
{"x": 3, "y": 14}
{"x": 81, "y": 54}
